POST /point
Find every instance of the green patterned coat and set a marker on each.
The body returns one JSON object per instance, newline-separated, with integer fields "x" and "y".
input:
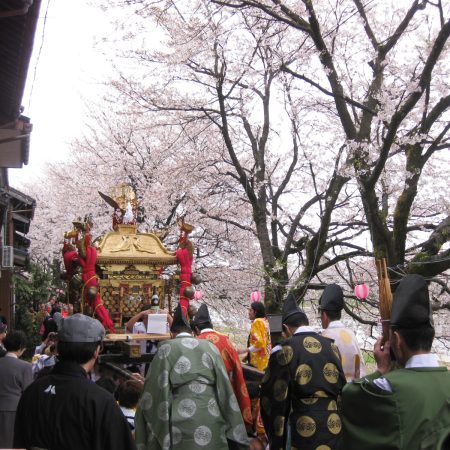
{"x": 188, "y": 402}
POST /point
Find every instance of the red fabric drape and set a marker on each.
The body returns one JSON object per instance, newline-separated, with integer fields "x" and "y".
{"x": 185, "y": 260}
{"x": 68, "y": 258}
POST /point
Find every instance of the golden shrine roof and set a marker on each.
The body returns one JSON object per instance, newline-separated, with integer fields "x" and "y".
{"x": 128, "y": 246}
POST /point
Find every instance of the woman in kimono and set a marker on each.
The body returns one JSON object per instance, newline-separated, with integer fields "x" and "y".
{"x": 258, "y": 343}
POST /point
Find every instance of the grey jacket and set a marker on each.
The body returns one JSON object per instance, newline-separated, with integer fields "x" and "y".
{"x": 15, "y": 376}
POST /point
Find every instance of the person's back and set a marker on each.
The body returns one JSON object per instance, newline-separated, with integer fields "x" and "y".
{"x": 397, "y": 409}
{"x": 81, "y": 414}
{"x": 65, "y": 409}
{"x": 15, "y": 376}
{"x": 301, "y": 387}
{"x": 128, "y": 394}
{"x": 204, "y": 330}
{"x": 400, "y": 420}
{"x": 331, "y": 304}
{"x": 188, "y": 402}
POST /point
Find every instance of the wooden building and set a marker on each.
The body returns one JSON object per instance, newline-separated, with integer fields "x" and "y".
{"x": 18, "y": 21}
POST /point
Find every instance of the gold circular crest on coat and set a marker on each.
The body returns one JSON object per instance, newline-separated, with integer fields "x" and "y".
{"x": 280, "y": 390}
{"x": 309, "y": 401}
{"x": 278, "y": 425}
{"x": 323, "y": 447}
{"x": 312, "y": 345}
{"x": 284, "y": 356}
{"x": 306, "y": 426}
{"x": 334, "y": 423}
{"x": 303, "y": 374}
{"x": 335, "y": 350}
{"x": 332, "y": 406}
{"x": 331, "y": 373}
{"x": 320, "y": 394}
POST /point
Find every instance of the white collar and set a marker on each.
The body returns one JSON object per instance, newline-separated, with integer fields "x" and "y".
{"x": 12, "y": 355}
{"x": 305, "y": 329}
{"x": 184, "y": 334}
{"x": 128, "y": 412}
{"x": 336, "y": 324}
{"x": 424, "y": 360}
{"x": 206, "y": 330}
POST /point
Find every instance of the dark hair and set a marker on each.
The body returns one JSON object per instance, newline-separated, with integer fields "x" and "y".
{"x": 129, "y": 392}
{"x": 145, "y": 307}
{"x": 54, "y": 310}
{"x": 417, "y": 338}
{"x": 3, "y": 320}
{"x": 202, "y": 326}
{"x": 260, "y": 310}
{"x": 15, "y": 340}
{"x": 180, "y": 329}
{"x": 333, "y": 315}
{"x": 297, "y": 320}
{"x": 107, "y": 383}
{"x": 78, "y": 352}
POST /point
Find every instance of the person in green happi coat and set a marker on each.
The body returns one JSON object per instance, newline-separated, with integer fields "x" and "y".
{"x": 400, "y": 408}
{"x": 188, "y": 402}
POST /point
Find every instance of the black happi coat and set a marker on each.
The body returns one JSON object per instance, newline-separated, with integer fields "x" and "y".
{"x": 67, "y": 411}
{"x": 301, "y": 387}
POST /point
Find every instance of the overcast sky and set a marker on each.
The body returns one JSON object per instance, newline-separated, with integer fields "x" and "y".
{"x": 65, "y": 71}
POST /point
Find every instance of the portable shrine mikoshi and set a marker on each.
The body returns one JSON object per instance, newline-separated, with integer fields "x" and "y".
{"x": 130, "y": 264}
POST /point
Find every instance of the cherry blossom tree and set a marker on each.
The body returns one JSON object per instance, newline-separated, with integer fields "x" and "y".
{"x": 384, "y": 68}
{"x": 317, "y": 130}
{"x": 271, "y": 167}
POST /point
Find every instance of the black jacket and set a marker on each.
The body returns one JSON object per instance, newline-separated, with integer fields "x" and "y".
{"x": 66, "y": 411}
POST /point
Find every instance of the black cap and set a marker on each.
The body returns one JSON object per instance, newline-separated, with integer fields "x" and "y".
{"x": 179, "y": 319}
{"x": 202, "y": 315}
{"x": 332, "y": 298}
{"x": 291, "y": 309}
{"x": 411, "y": 305}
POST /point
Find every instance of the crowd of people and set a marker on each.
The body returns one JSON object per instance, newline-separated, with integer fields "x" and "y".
{"x": 314, "y": 392}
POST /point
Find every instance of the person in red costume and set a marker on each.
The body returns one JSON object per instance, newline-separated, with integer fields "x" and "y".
{"x": 203, "y": 329}
{"x": 185, "y": 257}
{"x": 86, "y": 257}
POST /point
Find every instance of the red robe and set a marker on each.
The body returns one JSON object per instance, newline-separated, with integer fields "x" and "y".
{"x": 234, "y": 369}
{"x": 185, "y": 260}
{"x": 90, "y": 279}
